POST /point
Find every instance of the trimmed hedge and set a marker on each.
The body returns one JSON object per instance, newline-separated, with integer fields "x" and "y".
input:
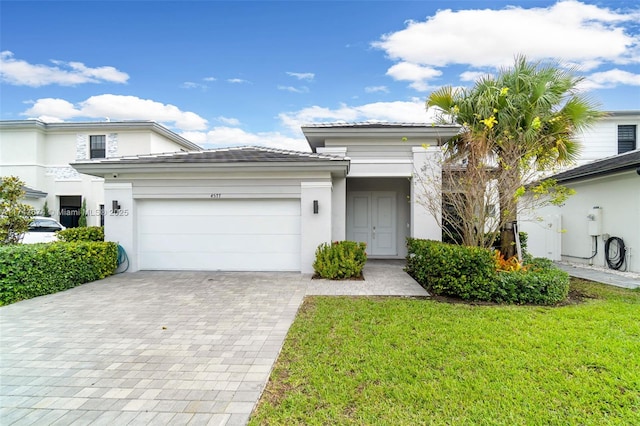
{"x": 540, "y": 287}
{"x": 340, "y": 260}
{"x": 86, "y": 233}
{"x": 32, "y": 270}
{"x": 470, "y": 273}
{"x": 452, "y": 270}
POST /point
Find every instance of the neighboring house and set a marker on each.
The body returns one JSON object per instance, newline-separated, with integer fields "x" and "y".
{"x": 614, "y": 134}
{"x": 255, "y": 209}
{"x": 606, "y": 205}
{"x": 40, "y": 153}
{"x": 554, "y": 232}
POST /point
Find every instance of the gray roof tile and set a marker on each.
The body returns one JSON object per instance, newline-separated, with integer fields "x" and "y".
{"x": 243, "y": 154}
{"x": 628, "y": 160}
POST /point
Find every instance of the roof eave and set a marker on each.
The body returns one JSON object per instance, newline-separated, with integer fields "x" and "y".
{"x": 338, "y": 167}
{"x": 599, "y": 173}
{"x": 316, "y": 135}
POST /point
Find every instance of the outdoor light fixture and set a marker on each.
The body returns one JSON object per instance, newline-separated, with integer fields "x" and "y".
{"x": 315, "y": 206}
{"x": 115, "y": 206}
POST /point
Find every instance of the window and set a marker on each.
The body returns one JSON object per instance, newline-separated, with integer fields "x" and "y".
{"x": 97, "y": 146}
{"x": 101, "y": 214}
{"x": 626, "y": 138}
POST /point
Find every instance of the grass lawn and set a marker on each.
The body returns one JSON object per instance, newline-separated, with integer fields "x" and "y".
{"x": 393, "y": 361}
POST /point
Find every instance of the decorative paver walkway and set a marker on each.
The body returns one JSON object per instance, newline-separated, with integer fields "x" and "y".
{"x": 158, "y": 347}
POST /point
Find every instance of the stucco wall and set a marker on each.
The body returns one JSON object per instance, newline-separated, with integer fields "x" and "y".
{"x": 618, "y": 196}
{"x": 41, "y": 156}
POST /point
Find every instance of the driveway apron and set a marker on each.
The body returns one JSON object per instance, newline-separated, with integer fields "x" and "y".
{"x": 146, "y": 348}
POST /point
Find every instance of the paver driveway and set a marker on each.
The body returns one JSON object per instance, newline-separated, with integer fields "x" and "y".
{"x": 146, "y": 348}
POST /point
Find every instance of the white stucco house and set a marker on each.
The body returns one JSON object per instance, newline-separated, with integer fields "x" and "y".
{"x": 40, "y": 153}
{"x": 261, "y": 209}
{"x": 605, "y": 207}
{"x": 603, "y": 177}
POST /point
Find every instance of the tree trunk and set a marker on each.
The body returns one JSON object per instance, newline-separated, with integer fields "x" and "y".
{"x": 508, "y": 184}
{"x": 507, "y": 241}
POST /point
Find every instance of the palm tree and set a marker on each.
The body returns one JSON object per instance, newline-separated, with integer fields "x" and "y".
{"x": 523, "y": 120}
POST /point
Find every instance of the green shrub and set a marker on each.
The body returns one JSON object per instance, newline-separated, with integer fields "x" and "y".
{"x": 340, "y": 260}
{"x": 32, "y": 270}
{"x": 452, "y": 270}
{"x": 537, "y": 286}
{"x": 470, "y": 274}
{"x": 91, "y": 233}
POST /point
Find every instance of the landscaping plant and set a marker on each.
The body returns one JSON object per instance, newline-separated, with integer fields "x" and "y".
{"x": 87, "y": 233}
{"x": 478, "y": 274}
{"x": 340, "y": 260}
{"x": 32, "y": 270}
{"x": 15, "y": 216}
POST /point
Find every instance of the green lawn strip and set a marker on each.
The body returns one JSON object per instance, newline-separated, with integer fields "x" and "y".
{"x": 406, "y": 361}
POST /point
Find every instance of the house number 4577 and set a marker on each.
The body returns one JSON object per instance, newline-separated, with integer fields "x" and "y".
{"x": 216, "y": 195}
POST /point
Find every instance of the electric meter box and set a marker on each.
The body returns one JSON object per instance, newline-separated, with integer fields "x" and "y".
{"x": 594, "y": 221}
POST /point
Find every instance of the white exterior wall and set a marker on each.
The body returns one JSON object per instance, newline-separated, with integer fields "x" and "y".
{"x": 129, "y": 189}
{"x": 423, "y": 224}
{"x": 41, "y": 158}
{"x": 315, "y": 228}
{"x": 119, "y": 226}
{"x": 601, "y": 140}
{"x": 339, "y": 209}
{"x": 619, "y": 198}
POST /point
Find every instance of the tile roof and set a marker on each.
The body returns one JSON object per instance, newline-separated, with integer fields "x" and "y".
{"x": 375, "y": 125}
{"x": 617, "y": 163}
{"x": 243, "y": 154}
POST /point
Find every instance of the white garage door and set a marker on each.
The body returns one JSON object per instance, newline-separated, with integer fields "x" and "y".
{"x": 226, "y": 235}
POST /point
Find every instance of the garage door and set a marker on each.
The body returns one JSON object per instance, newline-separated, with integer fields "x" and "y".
{"x": 226, "y": 235}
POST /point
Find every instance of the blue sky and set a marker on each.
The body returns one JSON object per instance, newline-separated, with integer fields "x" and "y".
{"x": 250, "y": 73}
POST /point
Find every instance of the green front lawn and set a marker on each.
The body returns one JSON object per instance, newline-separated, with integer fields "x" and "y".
{"x": 394, "y": 361}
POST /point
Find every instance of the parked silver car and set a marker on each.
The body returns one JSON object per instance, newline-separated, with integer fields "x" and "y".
{"x": 42, "y": 230}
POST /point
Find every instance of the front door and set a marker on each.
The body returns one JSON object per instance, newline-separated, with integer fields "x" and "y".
{"x": 371, "y": 218}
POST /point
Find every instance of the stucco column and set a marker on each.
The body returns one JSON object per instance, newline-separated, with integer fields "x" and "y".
{"x": 423, "y": 224}
{"x": 119, "y": 226}
{"x": 315, "y": 227}
{"x": 339, "y": 209}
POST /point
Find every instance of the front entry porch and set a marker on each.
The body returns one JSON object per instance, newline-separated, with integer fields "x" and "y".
{"x": 378, "y": 214}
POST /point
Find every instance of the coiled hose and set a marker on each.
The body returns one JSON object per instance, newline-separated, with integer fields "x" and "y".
{"x": 614, "y": 252}
{"x": 123, "y": 260}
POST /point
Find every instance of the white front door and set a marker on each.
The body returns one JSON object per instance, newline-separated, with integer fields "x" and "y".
{"x": 371, "y": 218}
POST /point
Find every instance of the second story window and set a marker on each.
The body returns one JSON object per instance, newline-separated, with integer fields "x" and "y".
{"x": 626, "y": 138}
{"x": 97, "y": 148}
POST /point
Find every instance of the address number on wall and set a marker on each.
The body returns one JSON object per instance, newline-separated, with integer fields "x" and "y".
{"x": 217, "y": 195}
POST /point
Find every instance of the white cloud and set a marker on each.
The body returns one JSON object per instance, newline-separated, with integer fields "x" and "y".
{"x": 116, "y": 107}
{"x": 228, "y": 121}
{"x": 209, "y": 79}
{"x": 472, "y": 75}
{"x": 237, "y": 81}
{"x": 308, "y": 76}
{"x": 224, "y": 136}
{"x": 193, "y": 85}
{"x": 301, "y": 89}
{"x": 53, "y": 109}
{"x": 376, "y": 89}
{"x": 611, "y": 78}
{"x": 419, "y": 75}
{"x": 571, "y": 31}
{"x": 412, "y": 111}
{"x": 21, "y": 73}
